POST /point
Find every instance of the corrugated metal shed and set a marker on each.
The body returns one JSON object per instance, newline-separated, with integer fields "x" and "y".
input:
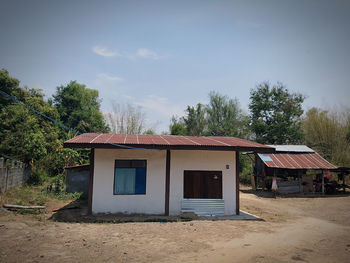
{"x": 296, "y": 161}
{"x": 292, "y": 148}
{"x": 103, "y": 140}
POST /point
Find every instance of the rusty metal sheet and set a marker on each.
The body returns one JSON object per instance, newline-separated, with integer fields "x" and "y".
{"x": 164, "y": 140}
{"x": 296, "y": 161}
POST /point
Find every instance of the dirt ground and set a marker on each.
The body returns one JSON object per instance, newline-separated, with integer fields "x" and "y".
{"x": 296, "y": 229}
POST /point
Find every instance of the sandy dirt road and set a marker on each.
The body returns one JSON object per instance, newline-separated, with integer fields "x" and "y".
{"x": 293, "y": 230}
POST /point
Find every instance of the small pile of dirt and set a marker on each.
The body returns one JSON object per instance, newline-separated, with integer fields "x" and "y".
{"x": 189, "y": 215}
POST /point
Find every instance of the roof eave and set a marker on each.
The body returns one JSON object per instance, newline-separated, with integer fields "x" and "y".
{"x": 301, "y": 168}
{"x": 171, "y": 147}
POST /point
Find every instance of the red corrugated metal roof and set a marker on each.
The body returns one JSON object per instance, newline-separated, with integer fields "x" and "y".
{"x": 296, "y": 161}
{"x": 92, "y": 140}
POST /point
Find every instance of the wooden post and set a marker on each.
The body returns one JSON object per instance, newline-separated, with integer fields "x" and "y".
{"x": 237, "y": 183}
{"x": 167, "y": 182}
{"x": 91, "y": 181}
{"x": 255, "y": 170}
{"x": 263, "y": 177}
{"x": 299, "y": 178}
{"x": 322, "y": 182}
{"x": 343, "y": 174}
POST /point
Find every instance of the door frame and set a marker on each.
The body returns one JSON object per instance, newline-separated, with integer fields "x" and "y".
{"x": 210, "y": 171}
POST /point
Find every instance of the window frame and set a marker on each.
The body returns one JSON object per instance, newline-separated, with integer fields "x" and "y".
{"x": 130, "y": 160}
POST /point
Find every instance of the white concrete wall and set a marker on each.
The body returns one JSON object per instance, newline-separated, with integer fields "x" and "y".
{"x": 202, "y": 160}
{"x": 104, "y": 201}
{"x": 154, "y": 201}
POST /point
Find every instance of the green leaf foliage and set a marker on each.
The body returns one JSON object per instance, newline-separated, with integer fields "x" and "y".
{"x": 24, "y": 134}
{"x": 79, "y": 108}
{"x": 195, "y": 121}
{"x": 8, "y": 85}
{"x": 276, "y": 114}
{"x": 177, "y": 126}
{"x": 225, "y": 117}
{"x": 31, "y": 138}
{"x": 222, "y": 116}
{"x": 327, "y": 133}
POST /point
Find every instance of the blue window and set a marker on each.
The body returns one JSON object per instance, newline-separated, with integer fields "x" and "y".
{"x": 130, "y": 177}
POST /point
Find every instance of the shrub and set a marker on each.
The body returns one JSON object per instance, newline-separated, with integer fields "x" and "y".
{"x": 37, "y": 177}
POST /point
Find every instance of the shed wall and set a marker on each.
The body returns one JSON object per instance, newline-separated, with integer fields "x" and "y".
{"x": 77, "y": 179}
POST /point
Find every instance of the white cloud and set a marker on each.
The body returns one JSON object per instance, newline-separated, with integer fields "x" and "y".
{"x": 103, "y": 51}
{"x": 140, "y": 53}
{"x": 147, "y": 53}
{"x": 105, "y": 76}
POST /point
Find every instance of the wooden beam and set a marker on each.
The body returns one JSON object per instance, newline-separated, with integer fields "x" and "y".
{"x": 16, "y": 207}
{"x": 167, "y": 182}
{"x": 91, "y": 180}
{"x": 237, "y": 183}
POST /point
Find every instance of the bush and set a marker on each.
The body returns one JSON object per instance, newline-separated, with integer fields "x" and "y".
{"x": 56, "y": 184}
{"x": 245, "y": 179}
{"x": 57, "y": 189}
{"x": 245, "y": 169}
{"x": 37, "y": 177}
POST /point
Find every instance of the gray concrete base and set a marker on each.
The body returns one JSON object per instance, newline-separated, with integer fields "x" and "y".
{"x": 242, "y": 216}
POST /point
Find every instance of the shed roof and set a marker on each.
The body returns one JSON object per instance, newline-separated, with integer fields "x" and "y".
{"x": 104, "y": 140}
{"x": 296, "y": 161}
{"x": 292, "y": 148}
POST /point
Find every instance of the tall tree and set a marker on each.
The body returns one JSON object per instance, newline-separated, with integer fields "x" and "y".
{"x": 8, "y": 85}
{"x": 225, "y": 117}
{"x": 126, "y": 119}
{"x": 221, "y": 117}
{"x": 24, "y": 134}
{"x": 327, "y": 133}
{"x": 177, "y": 126}
{"x": 195, "y": 121}
{"x": 79, "y": 108}
{"x": 276, "y": 114}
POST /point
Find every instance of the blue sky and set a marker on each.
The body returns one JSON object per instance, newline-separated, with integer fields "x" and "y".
{"x": 164, "y": 55}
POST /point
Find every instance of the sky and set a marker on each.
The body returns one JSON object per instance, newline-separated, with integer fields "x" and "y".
{"x": 165, "y": 55}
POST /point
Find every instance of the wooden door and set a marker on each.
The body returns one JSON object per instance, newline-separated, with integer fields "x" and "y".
{"x": 203, "y": 184}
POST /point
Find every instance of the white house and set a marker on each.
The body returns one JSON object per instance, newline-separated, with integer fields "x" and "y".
{"x": 158, "y": 174}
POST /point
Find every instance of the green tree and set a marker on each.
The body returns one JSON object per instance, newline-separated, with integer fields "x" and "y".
{"x": 195, "y": 120}
{"x": 24, "y": 134}
{"x": 276, "y": 114}
{"x": 327, "y": 133}
{"x": 79, "y": 108}
{"x": 177, "y": 126}
{"x": 8, "y": 85}
{"x": 221, "y": 117}
{"x": 225, "y": 117}
{"x": 28, "y": 136}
